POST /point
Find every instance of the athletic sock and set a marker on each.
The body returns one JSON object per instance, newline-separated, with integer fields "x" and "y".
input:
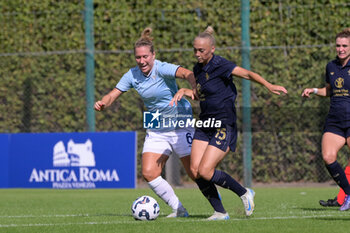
{"x": 163, "y": 189}
{"x": 341, "y": 194}
{"x": 338, "y": 175}
{"x": 210, "y": 191}
{"x": 226, "y": 181}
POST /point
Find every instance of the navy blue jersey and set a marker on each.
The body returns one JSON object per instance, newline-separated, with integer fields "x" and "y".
{"x": 339, "y": 79}
{"x": 217, "y": 93}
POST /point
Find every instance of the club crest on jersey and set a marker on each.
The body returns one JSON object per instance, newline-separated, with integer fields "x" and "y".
{"x": 349, "y": 71}
{"x": 207, "y": 76}
{"x": 339, "y": 82}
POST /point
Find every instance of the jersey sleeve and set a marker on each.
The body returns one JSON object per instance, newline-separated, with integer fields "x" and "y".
{"x": 125, "y": 83}
{"x": 167, "y": 70}
{"x": 228, "y": 67}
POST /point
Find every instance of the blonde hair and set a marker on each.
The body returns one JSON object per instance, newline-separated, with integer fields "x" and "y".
{"x": 343, "y": 34}
{"x": 208, "y": 34}
{"x": 145, "y": 40}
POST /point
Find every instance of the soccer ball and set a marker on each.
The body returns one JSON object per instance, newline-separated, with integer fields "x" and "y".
{"x": 145, "y": 208}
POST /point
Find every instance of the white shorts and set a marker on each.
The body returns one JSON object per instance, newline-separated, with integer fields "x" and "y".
{"x": 178, "y": 142}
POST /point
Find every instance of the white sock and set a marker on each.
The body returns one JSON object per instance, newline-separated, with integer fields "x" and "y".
{"x": 163, "y": 189}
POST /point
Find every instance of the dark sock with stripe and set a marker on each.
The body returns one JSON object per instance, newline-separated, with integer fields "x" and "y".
{"x": 226, "y": 181}
{"x": 339, "y": 176}
{"x": 211, "y": 193}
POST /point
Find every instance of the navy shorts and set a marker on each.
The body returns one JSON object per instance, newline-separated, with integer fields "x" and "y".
{"x": 221, "y": 138}
{"x": 337, "y": 128}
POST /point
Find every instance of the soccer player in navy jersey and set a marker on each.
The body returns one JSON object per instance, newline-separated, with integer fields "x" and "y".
{"x": 336, "y": 132}
{"x": 217, "y": 94}
{"x": 155, "y": 82}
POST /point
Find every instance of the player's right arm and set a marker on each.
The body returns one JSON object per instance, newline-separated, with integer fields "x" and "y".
{"x": 324, "y": 91}
{"x": 108, "y": 99}
{"x": 182, "y": 92}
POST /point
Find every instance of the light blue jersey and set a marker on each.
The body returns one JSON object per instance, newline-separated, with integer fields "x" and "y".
{"x": 157, "y": 89}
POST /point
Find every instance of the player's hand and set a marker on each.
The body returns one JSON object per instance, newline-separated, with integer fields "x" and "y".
{"x": 306, "y": 93}
{"x": 276, "y": 89}
{"x": 178, "y": 96}
{"x": 195, "y": 94}
{"x": 99, "y": 106}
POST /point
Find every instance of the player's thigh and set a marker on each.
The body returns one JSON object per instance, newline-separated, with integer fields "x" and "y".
{"x": 211, "y": 158}
{"x": 152, "y": 164}
{"x": 331, "y": 144}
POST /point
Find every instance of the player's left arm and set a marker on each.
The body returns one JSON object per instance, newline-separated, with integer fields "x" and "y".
{"x": 250, "y": 75}
{"x": 189, "y": 76}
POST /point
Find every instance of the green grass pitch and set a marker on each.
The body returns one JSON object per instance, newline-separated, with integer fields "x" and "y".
{"x": 108, "y": 210}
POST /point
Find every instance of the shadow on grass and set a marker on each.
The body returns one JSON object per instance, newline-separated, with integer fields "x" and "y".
{"x": 192, "y": 216}
{"x": 199, "y": 216}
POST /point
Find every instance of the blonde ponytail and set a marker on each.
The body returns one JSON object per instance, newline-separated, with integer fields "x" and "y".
{"x": 208, "y": 34}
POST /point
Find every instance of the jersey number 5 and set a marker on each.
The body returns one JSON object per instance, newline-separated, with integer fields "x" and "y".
{"x": 221, "y": 134}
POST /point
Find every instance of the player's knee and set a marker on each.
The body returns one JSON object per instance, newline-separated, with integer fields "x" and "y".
{"x": 149, "y": 174}
{"x": 194, "y": 172}
{"x": 190, "y": 174}
{"x": 205, "y": 173}
{"x": 329, "y": 157}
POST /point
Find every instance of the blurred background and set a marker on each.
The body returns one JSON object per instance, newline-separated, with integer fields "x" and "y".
{"x": 43, "y": 70}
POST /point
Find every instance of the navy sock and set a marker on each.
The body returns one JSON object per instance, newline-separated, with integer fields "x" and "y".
{"x": 211, "y": 193}
{"x": 226, "y": 181}
{"x": 339, "y": 176}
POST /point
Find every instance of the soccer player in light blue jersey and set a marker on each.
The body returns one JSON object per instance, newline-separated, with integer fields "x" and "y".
{"x": 217, "y": 94}
{"x": 155, "y": 82}
{"x": 336, "y": 132}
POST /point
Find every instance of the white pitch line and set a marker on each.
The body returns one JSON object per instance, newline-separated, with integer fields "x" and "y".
{"x": 184, "y": 220}
{"x": 47, "y": 216}
{"x": 58, "y": 224}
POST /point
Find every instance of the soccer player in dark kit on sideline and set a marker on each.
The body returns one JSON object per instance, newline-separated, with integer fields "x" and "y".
{"x": 217, "y": 94}
{"x": 336, "y": 132}
{"x": 155, "y": 82}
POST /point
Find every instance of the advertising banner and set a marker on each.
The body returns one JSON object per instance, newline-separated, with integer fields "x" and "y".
{"x": 72, "y": 160}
